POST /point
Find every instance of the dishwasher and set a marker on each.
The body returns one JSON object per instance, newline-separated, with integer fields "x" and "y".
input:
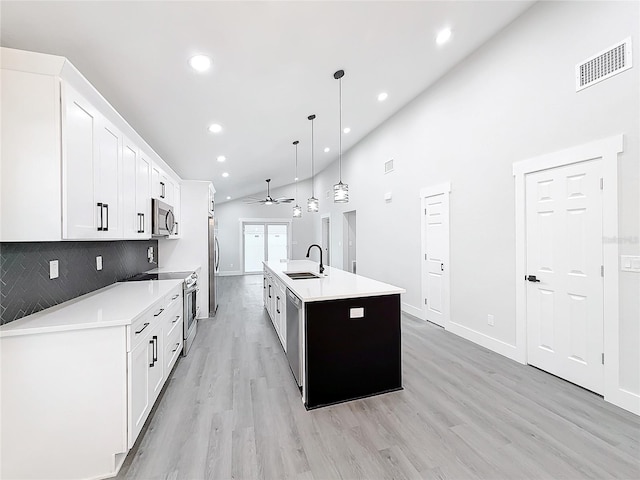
{"x": 294, "y": 319}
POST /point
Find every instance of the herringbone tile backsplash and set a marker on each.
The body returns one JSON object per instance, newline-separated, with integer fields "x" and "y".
{"x": 25, "y": 287}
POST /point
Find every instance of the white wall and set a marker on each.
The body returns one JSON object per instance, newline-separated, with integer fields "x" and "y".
{"x": 229, "y": 213}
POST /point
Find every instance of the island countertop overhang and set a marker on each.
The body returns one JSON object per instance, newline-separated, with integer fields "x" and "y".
{"x": 333, "y": 285}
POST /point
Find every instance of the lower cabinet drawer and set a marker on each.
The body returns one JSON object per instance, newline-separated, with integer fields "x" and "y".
{"x": 173, "y": 320}
{"x": 173, "y": 349}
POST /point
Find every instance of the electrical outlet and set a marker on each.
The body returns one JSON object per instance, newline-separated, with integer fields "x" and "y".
{"x": 150, "y": 254}
{"x": 53, "y": 269}
{"x": 490, "y": 320}
{"x": 99, "y": 262}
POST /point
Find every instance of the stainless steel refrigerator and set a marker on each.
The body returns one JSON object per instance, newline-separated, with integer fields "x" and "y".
{"x": 214, "y": 264}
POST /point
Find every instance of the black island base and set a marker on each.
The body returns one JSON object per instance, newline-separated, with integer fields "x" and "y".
{"x": 353, "y": 349}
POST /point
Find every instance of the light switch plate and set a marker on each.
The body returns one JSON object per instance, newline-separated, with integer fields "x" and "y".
{"x": 53, "y": 269}
{"x": 99, "y": 262}
{"x": 630, "y": 263}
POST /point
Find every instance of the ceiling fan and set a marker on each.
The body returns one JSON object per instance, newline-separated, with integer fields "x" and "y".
{"x": 269, "y": 200}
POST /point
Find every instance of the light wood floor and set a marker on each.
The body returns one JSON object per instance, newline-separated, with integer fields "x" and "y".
{"x": 231, "y": 410}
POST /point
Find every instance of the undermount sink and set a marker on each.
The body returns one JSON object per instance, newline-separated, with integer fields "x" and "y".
{"x": 301, "y": 275}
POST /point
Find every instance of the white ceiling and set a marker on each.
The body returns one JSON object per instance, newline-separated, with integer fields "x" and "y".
{"x": 273, "y": 66}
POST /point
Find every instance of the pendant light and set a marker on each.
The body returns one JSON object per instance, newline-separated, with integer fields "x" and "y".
{"x": 312, "y": 203}
{"x": 297, "y": 210}
{"x": 340, "y": 190}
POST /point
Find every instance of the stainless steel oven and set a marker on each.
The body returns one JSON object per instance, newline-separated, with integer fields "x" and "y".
{"x": 191, "y": 310}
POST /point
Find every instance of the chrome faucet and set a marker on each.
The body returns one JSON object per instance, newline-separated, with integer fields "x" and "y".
{"x": 319, "y": 248}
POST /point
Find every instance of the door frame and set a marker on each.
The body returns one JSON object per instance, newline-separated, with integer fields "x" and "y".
{"x": 265, "y": 221}
{"x": 326, "y": 216}
{"x": 607, "y": 149}
{"x": 426, "y": 192}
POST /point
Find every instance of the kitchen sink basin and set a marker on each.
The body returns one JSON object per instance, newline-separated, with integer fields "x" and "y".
{"x": 301, "y": 275}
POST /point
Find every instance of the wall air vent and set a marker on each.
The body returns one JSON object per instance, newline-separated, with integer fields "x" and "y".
{"x": 603, "y": 65}
{"x": 388, "y": 166}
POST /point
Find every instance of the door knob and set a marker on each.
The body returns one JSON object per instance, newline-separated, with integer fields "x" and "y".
{"x": 531, "y": 278}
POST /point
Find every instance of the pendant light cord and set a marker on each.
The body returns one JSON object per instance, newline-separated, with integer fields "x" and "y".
{"x": 296, "y": 144}
{"x": 312, "y": 117}
{"x": 340, "y": 137}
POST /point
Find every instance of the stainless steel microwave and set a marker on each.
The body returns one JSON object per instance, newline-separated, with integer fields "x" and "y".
{"x": 162, "y": 218}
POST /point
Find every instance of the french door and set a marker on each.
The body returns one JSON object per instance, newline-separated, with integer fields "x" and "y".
{"x": 264, "y": 241}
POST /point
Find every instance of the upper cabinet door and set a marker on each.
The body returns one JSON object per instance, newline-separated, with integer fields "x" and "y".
{"x": 91, "y": 171}
{"x": 81, "y": 215}
{"x": 143, "y": 194}
{"x": 131, "y": 220}
{"x": 108, "y": 180}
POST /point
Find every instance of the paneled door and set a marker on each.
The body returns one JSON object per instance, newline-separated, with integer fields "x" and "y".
{"x": 564, "y": 272}
{"x": 436, "y": 253}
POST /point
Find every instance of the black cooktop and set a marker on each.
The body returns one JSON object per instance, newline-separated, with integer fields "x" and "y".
{"x": 158, "y": 276}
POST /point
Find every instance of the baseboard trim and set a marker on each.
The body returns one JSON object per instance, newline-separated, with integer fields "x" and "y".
{"x": 493, "y": 344}
{"x": 229, "y": 274}
{"x": 412, "y": 311}
{"x": 625, "y": 399}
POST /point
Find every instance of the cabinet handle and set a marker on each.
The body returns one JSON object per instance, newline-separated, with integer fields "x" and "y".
{"x": 264, "y": 283}
{"x": 141, "y": 223}
{"x": 155, "y": 349}
{"x": 106, "y": 206}
{"x": 177, "y": 345}
{"x": 161, "y": 189}
{"x": 278, "y": 304}
{"x": 269, "y": 291}
{"x": 177, "y": 318}
{"x": 177, "y": 228}
{"x": 175, "y": 296}
{"x": 140, "y": 331}
{"x": 101, "y": 217}
{"x": 152, "y": 343}
{"x": 157, "y": 314}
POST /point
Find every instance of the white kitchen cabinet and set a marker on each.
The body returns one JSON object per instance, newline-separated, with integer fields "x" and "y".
{"x": 177, "y": 205}
{"x": 138, "y": 387}
{"x": 173, "y": 330}
{"x": 92, "y": 171}
{"x": 212, "y": 205}
{"x": 136, "y": 192}
{"x": 63, "y": 141}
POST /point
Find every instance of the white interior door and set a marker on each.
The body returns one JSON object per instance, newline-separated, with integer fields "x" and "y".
{"x": 436, "y": 259}
{"x": 564, "y": 260}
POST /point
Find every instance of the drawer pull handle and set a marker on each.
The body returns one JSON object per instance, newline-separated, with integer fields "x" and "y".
{"x": 175, "y": 296}
{"x": 145, "y": 326}
{"x": 156, "y": 314}
{"x": 177, "y": 318}
{"x": 177, "y": 345}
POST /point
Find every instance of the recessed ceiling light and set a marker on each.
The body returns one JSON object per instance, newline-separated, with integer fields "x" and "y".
{"x": 200, "y": 63}
{"x": 221, "y": 158}
{"x": 326, "y": 149}
{"x": 225, "y": 174}
{"x": 443, "y": 36}
{"x": 215, "y": 128}
{"x": 346, "y": 130}
{"x": 228, "y": 198}
{"x": 382, "y": 96}
{"x": 295, "y": 179}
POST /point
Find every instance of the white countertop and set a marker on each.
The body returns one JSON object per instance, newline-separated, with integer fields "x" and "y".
{"x": 117, "y": 304}
{"x": 189, "y": 268}
{"x": 333, "y": 285}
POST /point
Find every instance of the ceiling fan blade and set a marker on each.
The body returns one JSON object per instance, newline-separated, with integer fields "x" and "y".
{"x": 254, "y": 201}
{"x": 284, "y": 200}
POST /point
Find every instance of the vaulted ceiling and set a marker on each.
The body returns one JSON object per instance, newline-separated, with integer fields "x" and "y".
{"x": 273, "y": 65}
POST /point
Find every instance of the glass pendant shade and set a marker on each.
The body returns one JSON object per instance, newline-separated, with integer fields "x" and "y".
{"x": 297, "y": 211}
{"x": 312, "y": 204}
{"x": 341, "y": 193}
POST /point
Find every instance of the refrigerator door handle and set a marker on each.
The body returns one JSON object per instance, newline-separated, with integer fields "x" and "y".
{"x": 217, "y": 254}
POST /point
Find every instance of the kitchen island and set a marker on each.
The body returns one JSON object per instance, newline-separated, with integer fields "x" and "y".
{"x": 343, "y": 339}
